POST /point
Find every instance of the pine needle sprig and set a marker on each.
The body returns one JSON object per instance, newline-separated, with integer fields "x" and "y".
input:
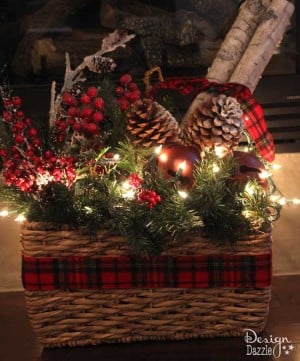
{"x": 114, "y": 125}
{"x": 148, "y": 230}
{"x": 258, "y": 209}
{"x": 214, "y": 199}
{"x": 94, "y": 201}
{"x": 19, "y": 201}
{"x": 132, "y": 158}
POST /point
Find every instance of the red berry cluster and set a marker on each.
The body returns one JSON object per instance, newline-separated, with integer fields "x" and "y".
{"x": 83, "y": 113}
{"x": 150, "y": 197}
{"x": 25, "y": 165}
{"x": 127, "y": 92}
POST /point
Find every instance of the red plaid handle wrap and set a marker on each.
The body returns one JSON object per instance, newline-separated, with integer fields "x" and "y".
{"x": 253, "y": 113}
{"x": 127, "y": 272}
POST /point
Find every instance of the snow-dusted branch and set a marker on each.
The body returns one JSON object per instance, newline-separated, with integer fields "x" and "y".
{"x": 96, "y": 63}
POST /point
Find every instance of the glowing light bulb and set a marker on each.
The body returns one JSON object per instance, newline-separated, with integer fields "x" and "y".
{"x": 247, "y": 214}
{"x": 163, "y": 157}
{"x": 157, "y": 150}
{"x": 276, "y": 166}
{"x": 282, "y": 201}
{"x": 4, "y": 213}
{"x": 126, "y": 185}
{"x": 220, "y": 151}
{"x": 181, "y": 167}
{"x": 263, "y": 174}
{"x": 274, "y": 197}
{"x": 116, "y": 157}
{"x": 183, "y": 194}
{"x": 128, "y": 192}
{"x": 20, "y": 218}
{"x": 215, "y": 168}
{"x": 88, "y": 209}
{"x": 249, "y": 189}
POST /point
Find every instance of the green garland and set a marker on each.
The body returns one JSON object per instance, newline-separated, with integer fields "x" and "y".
{"x": 217, "y": 205}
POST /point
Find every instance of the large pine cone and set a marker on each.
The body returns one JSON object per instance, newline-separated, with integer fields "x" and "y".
{"x": 149, "y": 124}
{"x": 218, "y": 121}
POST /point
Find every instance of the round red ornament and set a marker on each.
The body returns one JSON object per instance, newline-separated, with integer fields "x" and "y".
{"x": 250, "y": 168}
{"x": 178, "y": 160}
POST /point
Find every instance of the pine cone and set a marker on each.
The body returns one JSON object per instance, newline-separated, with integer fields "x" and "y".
{"x": 149, "y": 124}
{"x": 99, "y": 64}
{"x": 218, "y": 121}
{"x": 76, "y": 90}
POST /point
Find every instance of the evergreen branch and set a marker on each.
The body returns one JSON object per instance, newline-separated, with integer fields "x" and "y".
{"x": 115, "y": 124}
{"x": 15, "y": 200}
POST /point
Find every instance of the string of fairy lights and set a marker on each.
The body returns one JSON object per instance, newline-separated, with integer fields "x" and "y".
{"x": 129, "y": 192}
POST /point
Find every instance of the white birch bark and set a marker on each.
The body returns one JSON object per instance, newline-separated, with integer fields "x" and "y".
{"x": 258, "y": 53}
{"x": 237, "y": 39}
{"x": 263, "y": 43}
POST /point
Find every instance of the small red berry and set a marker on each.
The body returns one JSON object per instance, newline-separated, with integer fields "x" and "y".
{"x": 72, "y": 111}
{"x": 32, "y": 132}
{"x": 92, "y": 91}
{"x": 16, "y": 101}
{"x": 68, "y": 99}
{"x": 20, "y": 114}
{"x": 19, "y": 126}
{"x": 99, "y": 103}
{"x": 132, "y": 96}
{"x": 77, "y": 127}
{"x": 36, "y": 142}
{"x": 48, "y": 154}
{"x": 158, "y": 198}
{"x": 98, "y": 117}
{"x": 85, "y": 99}
{"x": 7, "y": 116}
{"x": 19, "y": 139}
{"x": 90, "y": 128}
{"x": 7, "y": 103}
{"x": 123, "y": 103}
{"x": 3, "y": 153}
{"x": 87, "y": 112}
{"x": 70, "y": 121}
{"x": 119, "y": 91}
{"x": 125, "y": 79}
{"x": 132, "y": 86}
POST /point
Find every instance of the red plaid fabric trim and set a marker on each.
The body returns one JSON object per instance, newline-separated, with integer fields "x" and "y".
{"x": 254, "y": 119}
{"x": 201, "y": 271}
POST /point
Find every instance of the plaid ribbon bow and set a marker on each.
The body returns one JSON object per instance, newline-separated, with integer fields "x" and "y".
{"x": 253, "y": 117}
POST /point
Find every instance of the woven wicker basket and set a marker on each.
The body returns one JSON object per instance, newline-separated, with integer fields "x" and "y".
{"x": 82, "y": 317}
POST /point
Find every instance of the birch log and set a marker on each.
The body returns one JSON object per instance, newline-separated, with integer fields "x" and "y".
{"x": 258, "y": 51}
{"x": 263, "y": 43}
{"x": 236, "y": 41}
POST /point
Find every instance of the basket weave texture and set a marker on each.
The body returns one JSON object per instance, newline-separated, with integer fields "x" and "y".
{"x": 85, "y": 317}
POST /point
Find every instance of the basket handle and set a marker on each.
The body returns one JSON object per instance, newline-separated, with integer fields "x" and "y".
{"x": 149, "y": 73}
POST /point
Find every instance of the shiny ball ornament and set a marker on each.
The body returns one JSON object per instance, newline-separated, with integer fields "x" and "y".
{"x": 250, "y": 168}
{"x": 178, "y": 161}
